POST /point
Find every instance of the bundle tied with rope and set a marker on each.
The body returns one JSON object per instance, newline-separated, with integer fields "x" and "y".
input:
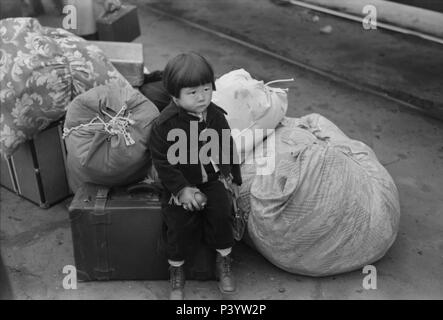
{"x": 254, "y": 108}
{"x": 106, "y": 133}
{"x": 116, "y": 125}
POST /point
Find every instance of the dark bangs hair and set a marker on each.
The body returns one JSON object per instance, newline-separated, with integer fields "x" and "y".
{"x": 187, "y": 70}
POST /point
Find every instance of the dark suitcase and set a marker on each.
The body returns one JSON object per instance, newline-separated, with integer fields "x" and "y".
{"x": 36, "y": 171}
{"x": 116, "y": 236}
{"x": 121, "y": 25}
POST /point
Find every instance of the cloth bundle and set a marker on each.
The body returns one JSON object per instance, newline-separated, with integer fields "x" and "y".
{"x": 106, "y": 133}
{"x": 41, "y": 70}
{"x": 251, "y": 104}
{"x": 328, "y": 207}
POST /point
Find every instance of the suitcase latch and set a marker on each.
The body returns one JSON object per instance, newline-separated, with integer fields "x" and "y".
{"x": 100, "y": 218}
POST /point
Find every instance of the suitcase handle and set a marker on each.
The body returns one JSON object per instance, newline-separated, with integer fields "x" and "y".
{"x": 149, "y": 187}
{"x": 100, "y": 199}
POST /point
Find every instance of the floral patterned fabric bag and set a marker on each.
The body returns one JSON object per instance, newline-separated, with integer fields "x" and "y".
{"x": 41, "y": 70}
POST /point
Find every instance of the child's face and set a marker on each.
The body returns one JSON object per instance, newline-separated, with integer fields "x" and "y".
{"x": 195, "y": 99}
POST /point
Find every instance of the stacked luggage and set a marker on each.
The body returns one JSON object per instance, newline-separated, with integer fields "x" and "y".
{"x": 315, "y": 202}
{"x": 43, "y": 70}
{"x": 93, "y": 142}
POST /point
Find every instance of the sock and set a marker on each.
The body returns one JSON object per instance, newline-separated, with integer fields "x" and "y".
{"x": 224, "y": 252}
{"x": 176, "y": 263}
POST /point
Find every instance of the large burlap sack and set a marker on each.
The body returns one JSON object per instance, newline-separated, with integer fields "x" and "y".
{"x": 329, "y": 206}
{"x": 106, "y": 132}
{"x": 41, "y": 70}
{"x": 251, "y": 105}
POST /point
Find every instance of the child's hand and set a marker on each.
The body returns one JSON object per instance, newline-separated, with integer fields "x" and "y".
{"x": 201, "y": 199}
{"x": 188, "y": 200}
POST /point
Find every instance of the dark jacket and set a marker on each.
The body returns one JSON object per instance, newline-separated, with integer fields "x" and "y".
{"x": 175, "y": 177}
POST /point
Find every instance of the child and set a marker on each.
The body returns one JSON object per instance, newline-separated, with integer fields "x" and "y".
{"x": 189, "y": 79}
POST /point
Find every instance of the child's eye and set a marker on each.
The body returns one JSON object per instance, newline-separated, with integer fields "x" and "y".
{"x": 192, "y": 92}
{"x": 207, "y": 88}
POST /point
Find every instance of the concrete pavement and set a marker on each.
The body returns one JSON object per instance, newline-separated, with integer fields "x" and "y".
{"x": 403, "y": 67}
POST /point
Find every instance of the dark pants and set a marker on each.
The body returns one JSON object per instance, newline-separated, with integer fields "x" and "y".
{"x": 213, "y": 225}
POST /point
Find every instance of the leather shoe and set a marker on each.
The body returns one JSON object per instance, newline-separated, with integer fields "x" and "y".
{"x": 225, "y": 277}
{"x": 177, "y": 278}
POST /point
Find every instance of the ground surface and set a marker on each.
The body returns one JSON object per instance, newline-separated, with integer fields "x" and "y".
{"x": 400, "y": 66}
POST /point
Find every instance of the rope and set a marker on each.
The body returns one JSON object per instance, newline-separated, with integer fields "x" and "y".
{"x": 268, "y": 89}
{"x": 116, "y": 125}
{"x": 276, "y": 81}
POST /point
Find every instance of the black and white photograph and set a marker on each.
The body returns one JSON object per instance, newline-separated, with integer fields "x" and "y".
{"x": 237, "y": 151}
